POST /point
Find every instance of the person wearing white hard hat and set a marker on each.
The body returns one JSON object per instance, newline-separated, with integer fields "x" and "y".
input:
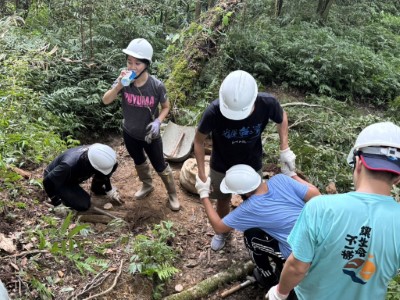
{"x": 266, "y": 216}
{"x": 63, "y": 176}
{"x": 141, "y": 99}
{"x": 236, "y": 121}
{"x": 347, "y": 246}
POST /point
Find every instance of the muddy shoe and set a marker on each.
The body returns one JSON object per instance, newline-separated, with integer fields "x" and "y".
{"x": 218, "y": 241}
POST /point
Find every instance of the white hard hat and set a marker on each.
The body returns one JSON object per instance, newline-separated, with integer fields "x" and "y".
{"x": 102, "y": 158}
{"x": 379, "y": 144}
{"x": 240, "y": 179}
{"x": 237, "y": 95}
{"x": 139, "y": 48}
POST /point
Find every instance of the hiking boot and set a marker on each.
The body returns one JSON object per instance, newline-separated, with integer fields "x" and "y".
{"x": 168, "y": 179}
{"x": 144, "y": 174}
{"x": 218, "y": 241}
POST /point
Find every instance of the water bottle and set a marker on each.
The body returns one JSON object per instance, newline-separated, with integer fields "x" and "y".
{"x": 127, "y": 79}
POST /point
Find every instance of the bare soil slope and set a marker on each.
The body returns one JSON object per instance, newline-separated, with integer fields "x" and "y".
{"x": 196, "y": 260}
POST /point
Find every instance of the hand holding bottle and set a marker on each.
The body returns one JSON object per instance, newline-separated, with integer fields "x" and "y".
{"x": 128, "y": 78}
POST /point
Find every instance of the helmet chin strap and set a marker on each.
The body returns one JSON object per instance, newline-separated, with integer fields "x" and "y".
{"x": 140, "y": 74}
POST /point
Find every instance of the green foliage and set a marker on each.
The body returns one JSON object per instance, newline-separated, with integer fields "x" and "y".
{"x": 44, "y": 292}
{"x": 61, "y": 241}
{"x": 59, "y": 61}
{"x": 27, "y": 130}
{"x": 67, "y": 241}
{"x": 153, "y": 256}
{"x": 316, "y": 59}
{"x": 226, "y": 18}
{"x": 321, "y": 136}
{"x": 393, "y": 292}
{"x": 180, "y": 83}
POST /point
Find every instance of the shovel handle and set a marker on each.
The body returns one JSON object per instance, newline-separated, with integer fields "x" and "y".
{"x": 235, "y": 288}
{"x": 177, "y": 144}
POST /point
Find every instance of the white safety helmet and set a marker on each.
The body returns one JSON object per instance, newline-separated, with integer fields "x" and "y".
{"x": 240, "y": 179}
{"x": 139, "y": 48}
{"x": 102, "y": 158}
{"x": 379, "y": 144}
{"x": 237, "y": 95}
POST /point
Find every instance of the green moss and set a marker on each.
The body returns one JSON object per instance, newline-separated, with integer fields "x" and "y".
{"x": 180, "y": 82}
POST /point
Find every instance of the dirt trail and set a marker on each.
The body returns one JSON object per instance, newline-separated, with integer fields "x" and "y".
{"x": 196, "y": 261}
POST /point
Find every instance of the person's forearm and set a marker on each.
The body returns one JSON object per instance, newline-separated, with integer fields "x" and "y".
{"x": 199, "y": 154}
{"x": 163, "y": 113}
{"x": 292, "y": 274}
{"x": 283, "y": 131}
{"x": 301, "y": 180}
{"x": 112, "y": 93}
{"x": 213, "y": 217}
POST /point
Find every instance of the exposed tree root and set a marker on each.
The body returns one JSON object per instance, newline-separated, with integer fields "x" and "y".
{"x": 209, "y": 285}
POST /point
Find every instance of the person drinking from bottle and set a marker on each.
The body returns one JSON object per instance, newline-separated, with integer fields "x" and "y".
{"x": 141, "y": 99}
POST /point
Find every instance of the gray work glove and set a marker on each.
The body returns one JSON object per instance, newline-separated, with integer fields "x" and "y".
{"x": 153, "y": 130}
{"x": 113, "y": 195}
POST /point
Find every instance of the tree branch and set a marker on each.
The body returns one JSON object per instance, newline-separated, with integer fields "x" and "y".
{"x": 113, "y": 284}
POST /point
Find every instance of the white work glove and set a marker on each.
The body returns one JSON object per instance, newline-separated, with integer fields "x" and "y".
{"x": 113, "y": 195}
{"x": 203, "y": 188}
{"x": 289, "y": 158}
{"x": 285, "y": 170}
{"x": 273, "y": 294}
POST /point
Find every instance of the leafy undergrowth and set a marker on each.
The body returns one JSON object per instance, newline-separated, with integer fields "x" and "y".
{"x": 57, "y": 256}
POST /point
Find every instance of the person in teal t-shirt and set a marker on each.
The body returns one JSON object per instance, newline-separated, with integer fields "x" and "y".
{"x": 347, "y": 246}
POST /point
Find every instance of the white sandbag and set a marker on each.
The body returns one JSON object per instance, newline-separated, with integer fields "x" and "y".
{"x": 188, "y": 173}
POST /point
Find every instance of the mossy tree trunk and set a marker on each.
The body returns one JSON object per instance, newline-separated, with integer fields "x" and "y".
{"x": 209, "y": 285}
{"x": 196, "y": 45}
{"x": 323, "y": 8}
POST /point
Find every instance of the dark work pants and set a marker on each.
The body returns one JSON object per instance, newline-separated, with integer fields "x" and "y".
{"x": 263, "y": 249}
{"x": 74, "y": 197}
{"x": 137, "y": 149}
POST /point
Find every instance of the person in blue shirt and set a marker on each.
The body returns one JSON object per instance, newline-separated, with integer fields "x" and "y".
{"x": 266, "y": 216}
{"x": 347, "y": 246}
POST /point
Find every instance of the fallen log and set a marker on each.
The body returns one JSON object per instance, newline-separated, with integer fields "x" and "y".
{"x": 209, "y": 285}
{"x": 100, "y": 216}
{"x": 21, "y": 172}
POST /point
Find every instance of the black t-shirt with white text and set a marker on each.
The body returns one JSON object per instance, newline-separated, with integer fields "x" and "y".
{"x": 239, "y": 141}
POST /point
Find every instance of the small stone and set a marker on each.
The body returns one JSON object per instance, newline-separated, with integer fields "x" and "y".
{"x": 108, "y": 206}
{"x": 179, "y": 288}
